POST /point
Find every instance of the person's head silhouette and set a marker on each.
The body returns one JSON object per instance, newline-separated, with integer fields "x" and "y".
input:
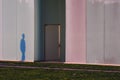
{"x": 23, "y": 35}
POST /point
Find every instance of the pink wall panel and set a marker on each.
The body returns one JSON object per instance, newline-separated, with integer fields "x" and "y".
{"x": 75, "y": 31}
{"x": 0, "y": 29}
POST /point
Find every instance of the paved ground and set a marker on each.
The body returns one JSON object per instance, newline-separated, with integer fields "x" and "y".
{"x": 31, "y": 67}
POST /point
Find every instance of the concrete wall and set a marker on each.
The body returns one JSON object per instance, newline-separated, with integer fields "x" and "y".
{"x": 76, "y": 31}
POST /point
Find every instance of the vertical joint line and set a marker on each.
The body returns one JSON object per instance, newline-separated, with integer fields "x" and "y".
{"x": 16, "y": 32}
{"x": 104, "y": 34}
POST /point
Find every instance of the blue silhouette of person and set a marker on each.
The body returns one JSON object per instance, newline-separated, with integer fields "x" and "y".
{"x": 23, "y": 47}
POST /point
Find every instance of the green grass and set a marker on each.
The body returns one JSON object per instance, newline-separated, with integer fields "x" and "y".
{"x": 41, "y": 74}
{"x": 50, "y": 74}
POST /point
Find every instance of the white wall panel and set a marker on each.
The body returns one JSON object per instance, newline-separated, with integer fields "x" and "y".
{"x": 9, "y": 29}
{"x": 112, "y": 33}
{"x": 103, "y": 30}
{"x": 25, "y": 24}
{"x": 95, "y": 31}
{"x": 0, "y": 29}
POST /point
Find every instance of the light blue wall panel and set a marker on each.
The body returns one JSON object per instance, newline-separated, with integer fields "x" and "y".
{"x": 9, "y": 29}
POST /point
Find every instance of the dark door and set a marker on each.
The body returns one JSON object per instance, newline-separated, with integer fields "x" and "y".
{"x": 52, "y": 42}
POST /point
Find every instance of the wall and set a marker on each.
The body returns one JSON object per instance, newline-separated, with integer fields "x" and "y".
{"x": 103, "y": 31}
{"x": 39, "y": 41}
{"x": 53, "y": 12}
{"x": 95, "y": 32}
{"x": 17, "y": 18}
{"x": 36, "y": 55}
{"x": 76, "y": 31}
{"x": 0, "y": 29}
{"x": 25, "y": 24}
{"x": 112, "y": 32}
{"x": 9, "y": 17}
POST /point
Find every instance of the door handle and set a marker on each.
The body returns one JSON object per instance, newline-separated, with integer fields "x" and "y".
{"x": 59, "y": 45}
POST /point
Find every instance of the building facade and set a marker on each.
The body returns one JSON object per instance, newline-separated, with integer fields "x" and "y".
{"x": 71, "y": 31}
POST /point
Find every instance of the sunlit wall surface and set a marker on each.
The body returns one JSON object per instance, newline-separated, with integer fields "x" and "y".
{"x": 25, "y": 24}
{"x": 103, "y": 30}
{"x": 0, "y": 29}
{"x": 75, "y": 31}
{"x": 17, "y": 19}
{"x": 92, "y": 29}
{"x": 95, "y": 31}
{"x": 112, "y": 32}
{"x": 9, "y": 27}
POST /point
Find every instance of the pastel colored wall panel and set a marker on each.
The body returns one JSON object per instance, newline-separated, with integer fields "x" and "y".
{"x": 0, "y": 29}
{"x": 25, "y": 24}
{"x": 75, "y": 31}
{"x": 95, "y": 32}
{"x": 112, "y": 33}
{"x": 9, "y": 29}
